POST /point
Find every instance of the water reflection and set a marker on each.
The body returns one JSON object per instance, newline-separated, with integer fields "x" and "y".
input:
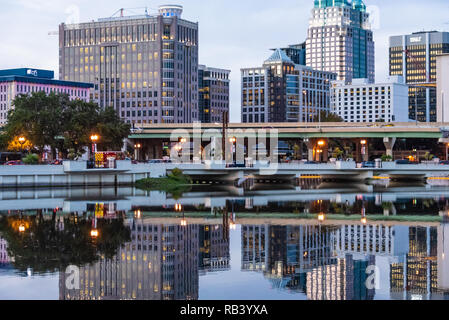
{"x": 145, "y": 248}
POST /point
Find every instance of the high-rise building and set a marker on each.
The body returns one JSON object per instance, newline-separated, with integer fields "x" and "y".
{"x": 14, "y": 82}
{"x": 442, "y": 88}
{"x": 213, "y": 98}
{"x": 160, "y": 263}
{"x": 414, "y": 57}
{"x": 296, "y": 52}
{"x": 340, "y": 39}
{"x": 145, "y": 66}
{"x": 214, "y": 251}
{"x": 4, "y": 257}
{"x": 282, "y": 91}
{"x": 362, "y": 101}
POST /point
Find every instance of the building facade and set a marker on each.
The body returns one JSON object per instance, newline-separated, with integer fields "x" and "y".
{"x": 214, "y": 251}
{"x": 145, "y": 67}
{"x": 442, "y": 88}
{"x": 160, "y": 263}
{"x": 213, "y": 98}
{"x": 4, "y": 257}
{"x": 14, "y": 82}
{"x": 414, "y": 57}
{"x": 282, "y": 91}
{"x": 296, "y": 52}
{"x": 340, "y": 39}
{"x": 365, "y": 102}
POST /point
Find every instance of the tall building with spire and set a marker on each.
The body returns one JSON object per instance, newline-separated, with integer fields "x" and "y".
{"x": 282, "y": 91}
{"x": 340, "y": 39}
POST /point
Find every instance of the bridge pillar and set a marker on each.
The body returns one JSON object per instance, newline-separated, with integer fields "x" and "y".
{"x": 310, "y": 143}
{"x": 318, "y": 149}
{"x": 389, "y": 145}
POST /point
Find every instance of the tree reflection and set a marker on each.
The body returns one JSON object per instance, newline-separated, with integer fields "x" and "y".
{"x": 48, "y": 244}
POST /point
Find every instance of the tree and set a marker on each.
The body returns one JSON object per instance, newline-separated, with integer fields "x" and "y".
{"x": 38, "y": 118}
{"x": 55, "y": 121}
{"x": 327, "y": 117}
{"x": 14, "y": 145}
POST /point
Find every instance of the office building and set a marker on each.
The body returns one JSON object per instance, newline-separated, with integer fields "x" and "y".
{"x": 361, "y": 101}
{"x": 340, "y": 39}
{"x": 282, "y": 91}
{"x": 442, "y": 88}
{"x": 160, "y": 263}
{"x": 213, "y": 97}
{"x": 296, "y": 52}
{"x": 214, "y": 251}
{"x": 414, "y": 57}
{"x": 4, "y": 257}
{"x": 14, "y": 82}
{"x": 343, "y": 280}
{"x": 145, "y": 66}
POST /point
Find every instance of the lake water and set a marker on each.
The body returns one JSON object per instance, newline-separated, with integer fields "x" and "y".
{"x": 315, "y": 241}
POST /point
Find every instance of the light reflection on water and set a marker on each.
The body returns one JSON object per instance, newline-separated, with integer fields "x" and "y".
{"x": 264, "y": 243}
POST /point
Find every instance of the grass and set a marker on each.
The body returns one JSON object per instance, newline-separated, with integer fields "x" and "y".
{"x": 175, "y": 183}
{"x": 274, "y": 215}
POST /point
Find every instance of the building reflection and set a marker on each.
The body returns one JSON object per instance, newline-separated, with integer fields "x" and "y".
{"x": 214, "y": 253}
{"x": 160, "y": 263}
{"x": 4, "y": 257}
{"x": 332, "y": 263}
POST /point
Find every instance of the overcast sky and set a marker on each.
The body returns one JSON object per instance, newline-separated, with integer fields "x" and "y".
{"x": 233, "y": 33}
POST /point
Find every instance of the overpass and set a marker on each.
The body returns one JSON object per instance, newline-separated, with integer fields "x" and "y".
{"x": 154, "y": 139}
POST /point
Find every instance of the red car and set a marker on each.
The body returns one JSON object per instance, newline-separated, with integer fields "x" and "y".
{"x": 13, "y": 163}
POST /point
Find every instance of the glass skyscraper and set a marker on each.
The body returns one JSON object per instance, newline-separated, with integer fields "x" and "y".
{"x": 145, "y": 67}
{"x": 414, "y": 57}
{"x": 340, "y": 39}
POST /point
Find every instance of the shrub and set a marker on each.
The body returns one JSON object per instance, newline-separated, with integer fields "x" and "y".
{"x": 387, "y": 158}
{"x": 31, "y": 159}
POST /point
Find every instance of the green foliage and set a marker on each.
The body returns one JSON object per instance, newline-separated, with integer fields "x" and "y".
{"x": 327, "y": 117}
{"x": 176, "y": 183}
{"x": 31, "y": 159}
{"x": 428, "y": 156}
{"x": 53, "y": 120}
{"x": 338, "y": 153}
{"x": 386, "y": 158}
{"x": 46, "y": 248}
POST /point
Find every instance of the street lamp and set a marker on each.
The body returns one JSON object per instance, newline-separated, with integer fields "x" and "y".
{"x": 22, "y": 141}
{"x": 137, "y": 147}
{"x": 321, "y": 217}
{"x": 94, "y": 138}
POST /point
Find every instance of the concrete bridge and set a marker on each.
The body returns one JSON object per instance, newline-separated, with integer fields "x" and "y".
{"x": 155, "y": 141}
{"x": 128, "y": 198}
{"x": 76, "y": 173}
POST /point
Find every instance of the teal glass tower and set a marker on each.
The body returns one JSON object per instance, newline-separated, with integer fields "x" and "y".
{"x": 340, "y": 39}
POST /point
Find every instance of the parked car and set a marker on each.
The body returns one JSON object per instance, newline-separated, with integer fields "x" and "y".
{"x": 405, "y": 161}
{"x": 310, "y": 162}
{"x": 368, "y": 164}
{"x": 13, "y": 163}
{"x": 445, "y": 162}
{"x": 156, "y": 161}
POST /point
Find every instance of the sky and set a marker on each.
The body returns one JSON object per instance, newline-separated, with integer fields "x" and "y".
{"x": 233, "y": 34}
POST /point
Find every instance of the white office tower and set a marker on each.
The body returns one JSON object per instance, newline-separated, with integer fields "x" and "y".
{"x": 340, "y": 39}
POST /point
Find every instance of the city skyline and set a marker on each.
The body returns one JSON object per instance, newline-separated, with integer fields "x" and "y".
{"x": 263, "y": 26}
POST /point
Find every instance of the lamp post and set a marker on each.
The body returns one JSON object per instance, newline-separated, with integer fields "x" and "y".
{"x": 22, "y": 141}
{"x": 233, "y": 142}
{"x": 94, "y": 138}
{"x": 319, "y": 151}
{"x": 364, "y": 143}
{"x": 137, "y": 147}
